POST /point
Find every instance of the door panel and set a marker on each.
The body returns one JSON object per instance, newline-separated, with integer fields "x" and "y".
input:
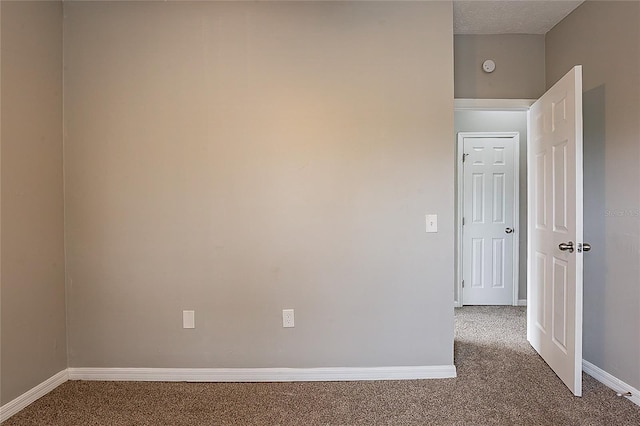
{"x": 499, "y": 263}
{"x": 489, "y": 187}
{"x": 537, "y": 298}
{"x": 554, "y": 322}
{"x": 559, "y": 317}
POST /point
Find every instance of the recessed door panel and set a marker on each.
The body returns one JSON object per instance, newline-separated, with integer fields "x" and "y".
{"x": 559, "y": 317}
{"x": 499, "y": 156}
{"x": 560, "y": 190}
{"x": 538, "y": 299}
{"x": 477, "y": 262}
{"x": 559, "y": 113}
{"x": 498, "y": 263}
{"x": 478, "y": 197}
{"x": 499, "y": 198}
{"x": 540, "y": 191}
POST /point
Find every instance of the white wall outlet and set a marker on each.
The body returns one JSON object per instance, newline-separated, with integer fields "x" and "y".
{"x": 432, "y": 222}
{"x": 287, "y": 318}
{"x": 188, "y": 319}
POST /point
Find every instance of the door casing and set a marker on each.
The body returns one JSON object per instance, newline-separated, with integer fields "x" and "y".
{"x": 467, "y": 104}
{"x": 460, "y": 209}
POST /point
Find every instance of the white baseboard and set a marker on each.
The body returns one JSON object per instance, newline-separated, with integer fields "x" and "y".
{"x": 226, "y": 375}
{"x": 611, "y": 381}
{"x": 520, "y": 302}
{"x": 30, "y": 396}
{"x": 268, "y": 375}
{"x": 263, "y": 374}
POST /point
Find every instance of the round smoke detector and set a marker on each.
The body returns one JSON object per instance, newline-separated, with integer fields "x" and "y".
{"x": 488, "y": 65}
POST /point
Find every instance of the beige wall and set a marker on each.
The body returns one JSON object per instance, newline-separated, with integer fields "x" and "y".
{"x": 519, "y": 72}
{"x": 604, "y": 38}
{"x": 33, "y": 302}
{"x": 241, "y": 158}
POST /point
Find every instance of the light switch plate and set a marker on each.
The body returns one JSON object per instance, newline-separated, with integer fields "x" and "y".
{"x": 188, "y": 319}
{"x": 432, "y": 222}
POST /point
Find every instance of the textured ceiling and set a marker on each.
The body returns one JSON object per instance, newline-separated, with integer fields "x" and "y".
{"x": 509, "y": 16}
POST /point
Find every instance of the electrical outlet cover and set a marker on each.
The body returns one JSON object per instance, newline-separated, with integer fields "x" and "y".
{"x": 188, "y": 319}
{"x": 287, "y": 318}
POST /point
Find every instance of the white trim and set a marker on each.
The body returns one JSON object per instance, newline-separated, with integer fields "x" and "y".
{"x": 327, "y": 374}
{"x": 459, "y": 214}
{"x": 516, "y": 220}
{"x": 30, "y": 396}
{"x": 460, "y": 210}
{"x": 492, "y": 104}
{"x": 522, "y": 302}
{"x": 611, "y": 381}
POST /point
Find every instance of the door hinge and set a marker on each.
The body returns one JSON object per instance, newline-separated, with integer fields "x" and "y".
{"x": 463, "y": 221}
{"x": 462, "y": 283}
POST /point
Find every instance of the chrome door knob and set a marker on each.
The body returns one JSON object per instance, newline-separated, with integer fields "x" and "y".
{"x": 566, "y": 246}
{"x": 584, "y": 247}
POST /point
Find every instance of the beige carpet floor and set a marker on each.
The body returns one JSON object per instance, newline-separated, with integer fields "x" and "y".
{"x": 501, "y": 380}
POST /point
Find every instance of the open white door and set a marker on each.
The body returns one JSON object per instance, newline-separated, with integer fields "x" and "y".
{"x": 554, "y": 307}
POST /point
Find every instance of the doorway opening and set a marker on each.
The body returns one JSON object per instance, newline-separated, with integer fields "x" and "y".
{"x": 555, "y": 228}
{"x": 494, "y": 117}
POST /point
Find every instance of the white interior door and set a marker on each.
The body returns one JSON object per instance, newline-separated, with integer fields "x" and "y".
{"x": 489, "y": 216}
{"x": 554, "y": 308}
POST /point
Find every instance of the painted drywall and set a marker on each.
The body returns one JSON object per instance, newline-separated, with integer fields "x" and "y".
{"x": 504, "y": 121}
{"x": 33, "y": 296}
{"x": 238, "y": 158}
{"x": 604, "y": 37}
{"x": 519, "y": 72}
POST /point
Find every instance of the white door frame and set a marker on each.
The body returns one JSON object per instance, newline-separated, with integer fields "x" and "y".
{"x": 461, "y": 104}
{"x": 460, "y": 210}
{"x": 468, "y": 104}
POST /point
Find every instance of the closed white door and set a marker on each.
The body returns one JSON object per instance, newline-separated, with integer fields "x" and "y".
{"x": 489, "y": 222}
{"x": 554, "y": 309}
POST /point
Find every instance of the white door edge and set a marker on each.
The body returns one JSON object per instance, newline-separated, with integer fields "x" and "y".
{"x": 459, "y": 211}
